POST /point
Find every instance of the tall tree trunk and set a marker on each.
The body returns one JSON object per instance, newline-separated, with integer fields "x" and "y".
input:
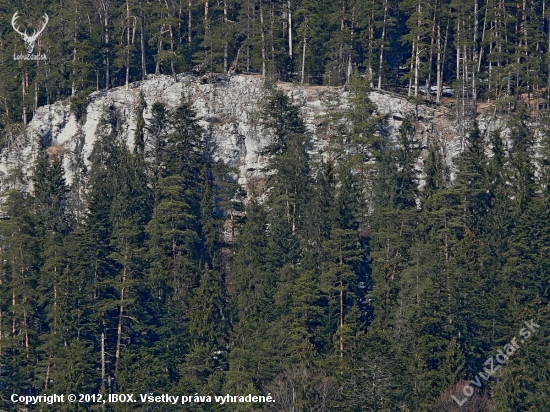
{"x": 173, "y": 52}
{"x": 159, "y": 49}
{"x": 169, "y": 13}
{"x": 444, "y": 57}
{"x": 272, "y": 33}
{"x": 343, "y": 18}
{"x": 304, "y": 47}
{"x": 143, "y": 47}
{"x": 120, "y": 322}
{"x": 475, "y": 56}
{"x": 35, "y": 102}
{"x": 464, "y": 78}
{"x": 480, "y": 54}
{"x": 416, "y": 68}
{"x": 23, "y": 96}
{"x": 342, "y": 61}
{"x": 526, "y": 45}
{"x": 370, "y": 49}
{"x": 417, "y": 54}
{"x": 289, "y": 29}
{"x": 341, "y": 308}
{"x": 458, "y": 49}
{"x": 127, "y": 44}
{"x": 107, "y": 57}
{"x": 439, "y": 80}
{"x": 14, "y": 312}
{"x": 73, "y": 83}
{"x": 189, "y": 24}
{"x": 262, "y": 32}
{"x": 26, "y": 329}
{"x": 350, "y": 65}
{"x": 55, "y": 299}
{"x": 207, "y": 36}
{"x": 432, "y": 44}
{"x": 48, "y": 371}
{"x": 294, "y": 210}
{"x": 103, "y": 362}
{"x": 226, "y": 44}
{"x": 411, "y": 69}
{"x": 382, "y": 41}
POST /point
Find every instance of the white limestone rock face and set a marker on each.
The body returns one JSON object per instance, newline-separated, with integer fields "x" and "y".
{"x": 225, "y": 108}
{"x": 228, "y": 108}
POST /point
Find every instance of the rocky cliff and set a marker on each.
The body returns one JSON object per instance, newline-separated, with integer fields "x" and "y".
{"x": 227, "y": 108}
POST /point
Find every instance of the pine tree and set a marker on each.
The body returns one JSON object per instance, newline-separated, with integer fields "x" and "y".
{"x": 19, "y": 300}
{"x": 50, "y": 195}
{"x": 251, "y": 293}
{"x": 521, "y": 165}
{"x": 289, "y": 179}
{"x": 394, "y": 222}
{"x": 174, "y": 230}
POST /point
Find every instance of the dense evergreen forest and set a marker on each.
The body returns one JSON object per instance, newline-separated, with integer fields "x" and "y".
{"x": 347, "y": 280}
{"x": 485, "y": 49}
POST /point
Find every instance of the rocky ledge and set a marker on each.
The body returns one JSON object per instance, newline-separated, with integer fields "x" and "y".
{"x": 228, "y": 109}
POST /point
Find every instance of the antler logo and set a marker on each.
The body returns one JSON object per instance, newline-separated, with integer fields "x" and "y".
{"x": 29, "y": 40}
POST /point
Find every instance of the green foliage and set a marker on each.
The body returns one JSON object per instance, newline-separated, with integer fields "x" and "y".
{"x": 391, "y": 43}
{"x": 353, "y": 279}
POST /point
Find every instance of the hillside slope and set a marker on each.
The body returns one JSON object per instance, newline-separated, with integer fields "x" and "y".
{"x": 228, "y": 109}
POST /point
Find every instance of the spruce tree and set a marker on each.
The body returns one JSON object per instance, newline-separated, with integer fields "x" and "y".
{"x": 19, "y": 299}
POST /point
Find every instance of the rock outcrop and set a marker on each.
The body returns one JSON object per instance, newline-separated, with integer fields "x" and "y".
{"x": 228, "y": 108}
